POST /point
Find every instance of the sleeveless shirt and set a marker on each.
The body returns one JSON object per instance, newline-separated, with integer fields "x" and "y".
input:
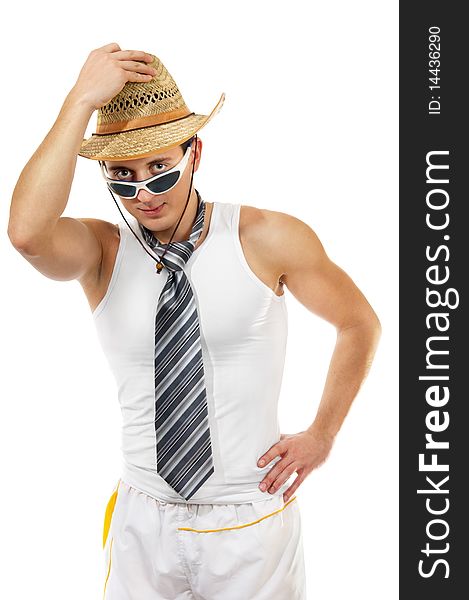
{"x": 243, "y": 331}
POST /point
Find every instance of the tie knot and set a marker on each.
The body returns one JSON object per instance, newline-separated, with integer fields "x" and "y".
{"x": 176, "y": 254}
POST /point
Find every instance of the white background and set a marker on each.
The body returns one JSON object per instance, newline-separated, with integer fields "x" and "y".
{"x": 311, "y": 89}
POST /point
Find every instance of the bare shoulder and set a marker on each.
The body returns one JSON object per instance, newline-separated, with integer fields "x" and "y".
{"x": 101, "y": 228}
{"x": 278, "y": 235}
{"x": 108, "y": 235}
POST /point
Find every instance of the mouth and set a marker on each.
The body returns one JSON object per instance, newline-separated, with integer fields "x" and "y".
{"x": 152, "y": 211}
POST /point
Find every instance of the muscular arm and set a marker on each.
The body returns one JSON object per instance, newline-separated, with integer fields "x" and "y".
{"x": 59, "y": 247}
{"x": 64, "y": 248}
{"x": 295, "y": 251}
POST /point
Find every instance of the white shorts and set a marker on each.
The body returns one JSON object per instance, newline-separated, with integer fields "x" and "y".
{"x": 156, "y": 550}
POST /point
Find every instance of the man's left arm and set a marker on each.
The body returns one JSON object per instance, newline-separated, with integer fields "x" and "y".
{"x": 327, "y": 291}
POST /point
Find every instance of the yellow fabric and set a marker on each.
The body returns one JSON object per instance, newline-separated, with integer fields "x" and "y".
{"x": 109, "y": 568}
{"x": 108, "y": 515}
{"x": 238, "y": 526}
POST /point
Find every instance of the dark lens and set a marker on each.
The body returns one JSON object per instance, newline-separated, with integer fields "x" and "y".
{"x": 123, "y": 190}
{"x": 164, "y": 183}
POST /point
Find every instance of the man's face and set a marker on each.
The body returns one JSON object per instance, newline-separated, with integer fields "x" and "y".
{"x": 172, "y": 201}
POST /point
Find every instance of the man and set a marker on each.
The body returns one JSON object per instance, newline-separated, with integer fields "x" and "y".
{"x": 204, "y": 507}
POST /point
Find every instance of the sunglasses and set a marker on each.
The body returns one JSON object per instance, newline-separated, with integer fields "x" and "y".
{"x": 158, "y": 184}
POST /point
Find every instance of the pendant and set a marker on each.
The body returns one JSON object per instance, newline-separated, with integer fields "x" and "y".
{"x": 159, "y": 267}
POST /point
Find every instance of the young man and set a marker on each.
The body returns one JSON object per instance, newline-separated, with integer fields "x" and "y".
{"x": 203, "y": 507}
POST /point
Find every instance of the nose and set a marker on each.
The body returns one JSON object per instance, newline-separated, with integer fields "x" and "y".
{"x": 145, "y": 196}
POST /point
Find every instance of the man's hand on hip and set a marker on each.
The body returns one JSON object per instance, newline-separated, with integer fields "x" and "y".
{"x": 300, "y": 452}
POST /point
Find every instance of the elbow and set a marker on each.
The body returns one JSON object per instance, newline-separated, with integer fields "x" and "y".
{"x": 375, "y": 323}
{"x": 15, "y": 235}
{"x": 372, "y": 324}
{"x": 367, "y": 325}
{"x": 15, "y": 238}
{"x": 373, "y": 331}
{"x": 21, "y": 243}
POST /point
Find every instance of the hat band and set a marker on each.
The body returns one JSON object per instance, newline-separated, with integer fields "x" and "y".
{"x": 156, "y": 119}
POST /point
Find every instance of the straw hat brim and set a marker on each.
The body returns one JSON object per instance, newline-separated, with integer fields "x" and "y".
{"x": 145, "y": 141}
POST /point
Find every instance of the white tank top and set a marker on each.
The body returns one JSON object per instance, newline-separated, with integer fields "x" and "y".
{"x": 243, "y": 328}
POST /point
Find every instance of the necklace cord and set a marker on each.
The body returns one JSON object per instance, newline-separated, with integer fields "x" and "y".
{"x": 187, "y": 202}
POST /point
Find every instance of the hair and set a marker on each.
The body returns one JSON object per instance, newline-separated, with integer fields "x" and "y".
{"x": 186, "y": 144}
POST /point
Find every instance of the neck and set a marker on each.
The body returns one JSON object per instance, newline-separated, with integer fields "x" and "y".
{"x": 184, "y": 228}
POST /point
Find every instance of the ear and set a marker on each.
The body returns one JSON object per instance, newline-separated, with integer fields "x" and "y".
{"x": 198, "y": 150}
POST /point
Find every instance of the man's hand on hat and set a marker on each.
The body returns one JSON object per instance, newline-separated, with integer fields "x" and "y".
{"x": 107, "y": 70}
{"x": 299, "y": 452}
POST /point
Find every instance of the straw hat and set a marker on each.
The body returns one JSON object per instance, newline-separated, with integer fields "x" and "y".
{"x": 144, "y": 119}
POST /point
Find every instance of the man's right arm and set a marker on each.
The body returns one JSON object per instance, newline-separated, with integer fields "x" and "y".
{"x": 64, "y": 248}
{"x": 61, "y": 248}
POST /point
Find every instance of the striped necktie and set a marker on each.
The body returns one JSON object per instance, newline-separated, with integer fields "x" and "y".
{"x": 183, "y": 447}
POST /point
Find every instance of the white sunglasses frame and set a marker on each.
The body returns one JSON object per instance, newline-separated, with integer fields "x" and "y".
{"x": 139, "y": 185}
